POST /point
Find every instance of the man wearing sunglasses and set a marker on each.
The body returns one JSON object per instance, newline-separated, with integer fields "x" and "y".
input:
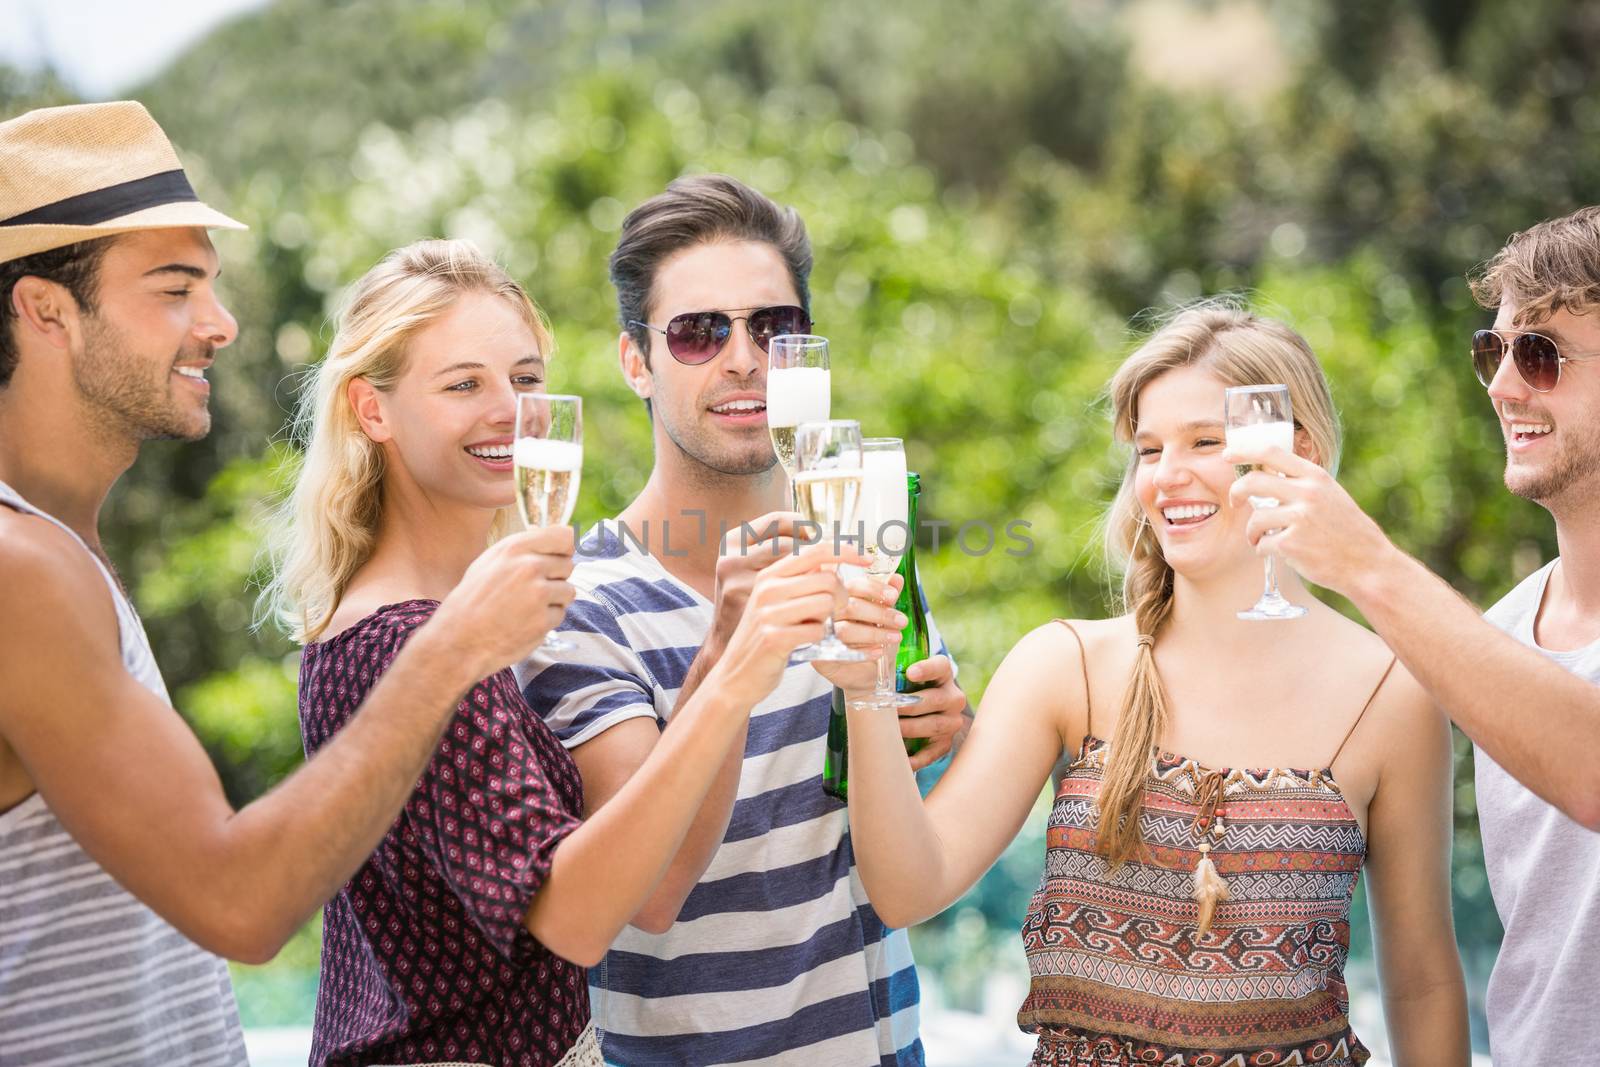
{"x": 759, "y": 945}
{"x": 1523, "y": 684}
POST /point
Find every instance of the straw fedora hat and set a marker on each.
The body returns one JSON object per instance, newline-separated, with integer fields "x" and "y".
{"x": 70, "y": 174}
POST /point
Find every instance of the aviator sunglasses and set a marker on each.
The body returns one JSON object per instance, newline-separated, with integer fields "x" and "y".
{"x": 697, "y": 336}
{"x": 1536, "y": 357}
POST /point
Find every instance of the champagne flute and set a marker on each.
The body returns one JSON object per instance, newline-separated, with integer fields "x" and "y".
{"x": 886, "y": 531}
{"x": 798, "y": 389}
{"x": 827, "y": 485}
{"x": 547, "y": 457}
{"x": 1258, "y": 416}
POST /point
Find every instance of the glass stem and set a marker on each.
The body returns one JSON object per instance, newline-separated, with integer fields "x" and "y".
{"x": 885, "y": 674}
{"x": 1272, "y": 582}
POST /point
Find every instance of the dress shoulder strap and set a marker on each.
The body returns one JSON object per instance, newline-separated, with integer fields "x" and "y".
{"x": 1373, "y": 696}
{"x": 1088, "y": 701}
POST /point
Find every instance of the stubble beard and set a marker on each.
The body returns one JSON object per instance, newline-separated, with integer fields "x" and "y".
{"x": 1564, "y": 478}
{"x": 717, "y": 459}
{"x": 124, "y": 389}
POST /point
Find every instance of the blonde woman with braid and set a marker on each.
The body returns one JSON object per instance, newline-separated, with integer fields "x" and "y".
{"x": 1225, "y": 782}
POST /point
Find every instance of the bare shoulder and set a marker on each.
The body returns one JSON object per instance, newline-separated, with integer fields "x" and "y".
{"x": 1049, "y": 668}
{"x": 1106, "y": 637}
{"x": 368, "y": 593}
{"x": 1069, "y": 644}
{"x": 1405, "y": 714}
{"x": 1356, "y": 655}
{"x": 1400, "y": 722}
{"x": 57, "y": 621}
{"x": 45, "y": 572}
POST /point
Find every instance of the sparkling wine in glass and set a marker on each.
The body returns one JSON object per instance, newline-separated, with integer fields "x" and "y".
{"x": 827, "y": 489}
{"x": 1257, "y": 416}
{"x": 798, "y": 389}
{"x": 886, "y": 532}
{"x": 547, "y": 457}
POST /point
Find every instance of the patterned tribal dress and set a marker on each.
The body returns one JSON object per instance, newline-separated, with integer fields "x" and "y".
{"x": 1120, "y": 974}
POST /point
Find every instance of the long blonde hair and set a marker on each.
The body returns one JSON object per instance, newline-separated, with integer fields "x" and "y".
{"x": 325, "y": 529}
{"x": 1239, "y": 348}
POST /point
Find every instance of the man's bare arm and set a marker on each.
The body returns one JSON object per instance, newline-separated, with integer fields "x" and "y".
{"x": 131, "y": 783}
{"x": 1537, "y": 720}
{"x": 1534, "y": 718}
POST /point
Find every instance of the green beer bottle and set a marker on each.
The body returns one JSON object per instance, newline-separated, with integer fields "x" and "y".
{"x": 913, "y": 649}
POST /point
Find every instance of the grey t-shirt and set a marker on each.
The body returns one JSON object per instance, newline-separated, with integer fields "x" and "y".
{"x": 1544, "y": 871}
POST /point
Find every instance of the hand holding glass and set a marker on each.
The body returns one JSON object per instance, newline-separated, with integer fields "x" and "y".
{"x": 1258, "y": 416}
{"x": 547, "y": 457}
{"x": 827, "y": 487}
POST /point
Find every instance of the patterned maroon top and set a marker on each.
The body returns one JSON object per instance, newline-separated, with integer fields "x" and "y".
{"x": 424, "y": 953}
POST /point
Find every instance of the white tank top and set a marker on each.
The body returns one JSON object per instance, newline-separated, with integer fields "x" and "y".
{"x": 88, "y": 974}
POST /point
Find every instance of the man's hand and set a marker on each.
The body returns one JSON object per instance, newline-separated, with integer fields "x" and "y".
{"x": 1317, "y": 528}
{"x": 512, "y": 595}
{"x": 786, "y": 605}
{"x": 941, "y": 715}
{"x": 740, "y": 562}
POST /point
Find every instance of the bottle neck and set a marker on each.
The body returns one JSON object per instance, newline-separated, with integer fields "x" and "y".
{"x": 908, "y": 562}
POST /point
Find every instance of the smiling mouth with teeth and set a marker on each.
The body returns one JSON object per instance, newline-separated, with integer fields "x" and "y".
{"x": 739, "y": 407}
{"x": 197, "y": 373}
{"x": 489, "y": 451}
{"x": 1189, "y": 514}
{"x": 1527, "y": 431}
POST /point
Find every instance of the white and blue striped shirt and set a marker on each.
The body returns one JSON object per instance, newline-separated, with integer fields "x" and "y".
{"x": 777, "y": 957}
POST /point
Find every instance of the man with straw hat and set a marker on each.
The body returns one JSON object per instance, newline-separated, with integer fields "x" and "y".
{"x": 124, "y": 872}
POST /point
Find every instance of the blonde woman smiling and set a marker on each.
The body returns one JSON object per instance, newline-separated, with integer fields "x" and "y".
{"x": 466, "y": 935}
{"x": 1227, "y": 780}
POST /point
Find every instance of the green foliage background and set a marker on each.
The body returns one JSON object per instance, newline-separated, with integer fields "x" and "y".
{"x": 993, "y": 190}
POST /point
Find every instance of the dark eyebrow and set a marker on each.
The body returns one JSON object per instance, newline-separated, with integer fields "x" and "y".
{"x": 468, "y": 365}
{"x": 199, "y": 274}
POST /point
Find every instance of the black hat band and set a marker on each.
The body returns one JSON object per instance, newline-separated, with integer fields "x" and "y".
{"x": 114, "y": 201}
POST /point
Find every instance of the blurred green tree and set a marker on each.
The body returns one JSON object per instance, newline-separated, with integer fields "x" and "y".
{"x": 993, "y": 193}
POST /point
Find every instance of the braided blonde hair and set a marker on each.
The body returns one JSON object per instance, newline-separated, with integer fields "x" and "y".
{"x": 1239, "y": 348}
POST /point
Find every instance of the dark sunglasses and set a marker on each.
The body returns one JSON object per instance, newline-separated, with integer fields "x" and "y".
{"x": 697, "y": 336}
{"x": 1536, "y": 356}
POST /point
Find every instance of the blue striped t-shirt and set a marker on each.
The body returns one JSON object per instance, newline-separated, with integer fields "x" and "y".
{"x": 776, "y": 956}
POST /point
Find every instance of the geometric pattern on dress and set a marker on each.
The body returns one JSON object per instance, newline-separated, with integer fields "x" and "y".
{"x": 1140, "y": 878}
{"x": 1120, "y": 973}
{"x": 1078, "y": 1050}
{"x": 1174, "y": 829}
{"x": 425, "y": 957}
{"x": 1157, "y": 982}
